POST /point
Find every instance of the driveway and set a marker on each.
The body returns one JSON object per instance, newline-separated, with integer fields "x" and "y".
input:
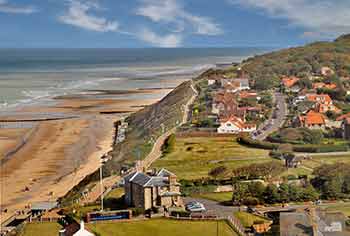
{"x": 275, "y": 122}
{"x": 214, "y": 207}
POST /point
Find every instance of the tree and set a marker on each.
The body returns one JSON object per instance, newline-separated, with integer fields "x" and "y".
{"x": 271, "y": 194}
{"x": 240, "y": 192}
{"x": 218, "y": 172}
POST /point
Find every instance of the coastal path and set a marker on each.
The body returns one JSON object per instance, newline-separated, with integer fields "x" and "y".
{"x": 157, "y": 147}
{"x": 155, "y": 153}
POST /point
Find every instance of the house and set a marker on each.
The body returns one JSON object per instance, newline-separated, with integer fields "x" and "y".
{"x": 224, "y": 102}
{"x": 312, "y": 120}
{"x": 326, "y": 71}
{"x": 319, "y": 98}
{"x": 310, "y": 222}
{"x": 321, "y": 85}
{"x": 293, "y": 161}
{"x": 234, "y": 124}
{"x": 323, "y": 103}
{"x": 248, "y": 94}
{"x": 147, "y": 191}
{"x": 346, "y": 128}
{"x": 235, "y": 85}
{"x": 214, "y": 80}
{"x": 290, "y": 84}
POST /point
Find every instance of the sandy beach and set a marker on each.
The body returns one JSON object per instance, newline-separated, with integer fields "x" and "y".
{"x": 60, "y": 152}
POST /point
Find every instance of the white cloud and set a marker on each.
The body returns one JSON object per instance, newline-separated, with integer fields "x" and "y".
{"x": 322, "y": 18}
{"x": 79, "y": 15}
{"x": 6, "y": 7}
{"x": 169, "y": 40}
{"x": 171, "y": 12}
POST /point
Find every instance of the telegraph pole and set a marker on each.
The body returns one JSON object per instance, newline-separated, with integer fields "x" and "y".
{"x": 101, "y": 185}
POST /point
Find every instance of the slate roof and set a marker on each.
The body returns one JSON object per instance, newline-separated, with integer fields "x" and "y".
{"x": 140, "y": 179}
{"x": 157, "y": 181}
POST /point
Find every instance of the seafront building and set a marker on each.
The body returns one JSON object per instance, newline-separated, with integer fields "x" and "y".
{"x": 152, "y": 191}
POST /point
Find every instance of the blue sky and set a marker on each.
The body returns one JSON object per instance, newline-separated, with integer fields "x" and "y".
{"x": 170, "y": 23}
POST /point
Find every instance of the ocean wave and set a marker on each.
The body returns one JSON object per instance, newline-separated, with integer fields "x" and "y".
{"x": 178, "y": 71}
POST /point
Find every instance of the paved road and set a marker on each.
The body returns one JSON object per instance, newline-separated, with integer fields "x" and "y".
{"x": 214, "y": 207}
{"x": 274, "y": 123}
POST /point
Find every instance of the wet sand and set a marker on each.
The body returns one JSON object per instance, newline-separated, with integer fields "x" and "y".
{"x": 60, "y": 153}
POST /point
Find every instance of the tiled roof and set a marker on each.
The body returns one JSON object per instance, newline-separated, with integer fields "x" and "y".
{"x": 343, "y": 117}
{"x": 237, "y": 122}
{"x": 289, "y": 81}
{"x": 324, "y": 85}
{"x": 313, "y": 118}
{"x": 319, "y": 98}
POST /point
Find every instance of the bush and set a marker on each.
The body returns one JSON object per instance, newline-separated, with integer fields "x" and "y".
{"x": 311, "y": 148}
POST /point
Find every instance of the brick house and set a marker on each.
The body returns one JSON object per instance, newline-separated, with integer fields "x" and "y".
{"x": 146, "y": 191}
{"x": 312, "y": 120}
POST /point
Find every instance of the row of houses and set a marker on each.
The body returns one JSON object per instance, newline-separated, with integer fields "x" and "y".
{"x": 225, "y": 104}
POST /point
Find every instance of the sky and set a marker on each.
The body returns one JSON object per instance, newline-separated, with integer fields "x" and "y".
{"x": 170, "y": 23}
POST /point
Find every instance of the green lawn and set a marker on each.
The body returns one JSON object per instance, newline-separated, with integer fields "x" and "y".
{"x": 193, "y": 157}
{"x": 47, "y": 229}
{"x": 160, "y": 227}
{"x": 248, "y": 219}
{"x": 218, "y": 197}
{"x": 115, "y": 193}
{"x": 319, "y": 160}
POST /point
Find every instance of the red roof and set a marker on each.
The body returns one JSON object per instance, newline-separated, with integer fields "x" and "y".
{"x": 289, "y": 81}
{"x": 313, "y": 118}
{"x": 324, "y": 85}
{"x": 246, "y": 94}
{"x": 237, "y": 122}
{"x": 319, "y": 98}
{"x": 343, "y": 117}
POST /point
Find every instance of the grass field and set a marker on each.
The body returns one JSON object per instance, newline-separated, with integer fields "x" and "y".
{"x": 248, "y": 219}
{"x": 162, "y": 227}
{"x": 319, "y": 160}
{"x": 218, "y": 197}
{"x": 115, "y": 193}
{"x": 45, "y": 229}
{"x": 193, "y": 157}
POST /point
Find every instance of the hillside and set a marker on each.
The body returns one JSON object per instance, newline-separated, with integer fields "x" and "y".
{"x": 146, "y": 125}
{"x": 299, "y": 61}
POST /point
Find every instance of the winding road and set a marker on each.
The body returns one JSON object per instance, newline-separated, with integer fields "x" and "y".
{"x": 274, "y": 123}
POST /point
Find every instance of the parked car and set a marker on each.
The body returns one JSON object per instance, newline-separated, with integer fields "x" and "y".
{"x": 195, "y": 207}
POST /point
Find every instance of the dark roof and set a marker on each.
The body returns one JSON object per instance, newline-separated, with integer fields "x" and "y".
{"x": 140, "y": 179}
{"x": 129, "y": 176}
{"x": 157, "y": 181}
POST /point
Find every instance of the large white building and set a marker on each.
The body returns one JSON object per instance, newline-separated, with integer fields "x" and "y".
{"x": 234, "y": 125}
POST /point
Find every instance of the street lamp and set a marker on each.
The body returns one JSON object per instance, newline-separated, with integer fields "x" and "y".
{"x": 103, "y": 161}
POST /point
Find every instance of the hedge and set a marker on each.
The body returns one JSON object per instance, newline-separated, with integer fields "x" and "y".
{"x": 312, "y": 148}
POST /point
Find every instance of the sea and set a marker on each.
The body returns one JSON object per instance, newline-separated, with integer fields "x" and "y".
{"x": 32, "y": 76}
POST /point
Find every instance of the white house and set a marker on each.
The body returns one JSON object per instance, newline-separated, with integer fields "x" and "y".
{"x": 235, "y": 85}
{"x": 234, "y": 125}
